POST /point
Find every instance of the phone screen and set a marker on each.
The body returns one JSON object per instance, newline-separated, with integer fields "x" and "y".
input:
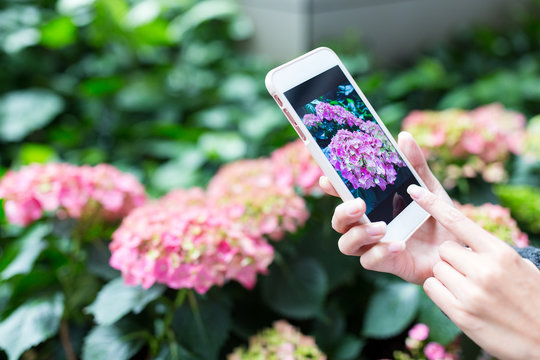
{"x": 354, "y": 143}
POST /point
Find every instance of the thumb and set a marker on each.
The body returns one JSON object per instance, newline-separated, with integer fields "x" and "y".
{"x": 414, "y": 154}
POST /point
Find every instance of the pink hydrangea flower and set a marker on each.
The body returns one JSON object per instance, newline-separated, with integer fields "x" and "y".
{"x": 251, "y": 193}
{"x": 295, "y": 167}
{"x": 461, "y": 144}
{"x": 497, "y": 220}
{"x": 183, "y": 242}
{"x": 435, "y": 351}
{"x": 419, "y": 332}
{"x": 281, "y": 342}
{"x": 359, "y": 150}
{"x": 363, "y": 160}
{"x": 69, "y": 191}
{"x": 337, "y": 113}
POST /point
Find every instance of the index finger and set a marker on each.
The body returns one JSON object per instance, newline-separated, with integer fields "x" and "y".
{"x": 452, "y": 219}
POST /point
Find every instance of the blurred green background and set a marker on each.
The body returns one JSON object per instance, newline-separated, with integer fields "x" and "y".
{"x": 166, "y": 88}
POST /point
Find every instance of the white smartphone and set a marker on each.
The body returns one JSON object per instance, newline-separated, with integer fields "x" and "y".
{"x": 348, "y": 139}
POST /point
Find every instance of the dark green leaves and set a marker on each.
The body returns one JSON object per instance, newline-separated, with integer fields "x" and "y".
{"x": 116, "y": 299}
{"x": 200, "y": 13}
{"x": 441, "y": 328}
{"x": 202, "y": 326}
{"x": 22, "y": 112}
{"x": 58, "y": 32}
{"x": 391, "y": 309}
{"x": 118, "y": 342}
{"x": 524, "y": 203}
{"x": 296, "y": 289}
{"x": 33, "y": 322}
{"x": 23, "y": 253}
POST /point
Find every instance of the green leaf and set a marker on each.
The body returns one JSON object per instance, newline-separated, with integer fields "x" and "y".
{"x": 442, "y": 329}
{"x": 392, "y": 114}
{"x": 141, "y": 93}
{"x": 202, "y": 326}
{"x": 5, "y": 295}
{"x": 391, "y": 309}
{"x": 32, "y": 323}
{"x": 224, "y": 146}
{"x": 116, "y": 299}
{"x": 428, "y": 73}
{"x": 36, "y": 153}
{"x": 296, "y": 289}
{"x": 83, "y": 288}
{"x": 103, "y": 86}
{"x": 200, "y": 13}
{"x": 349, "y": 348}
{"x": 118, "y": 342}
{"x": 330, "y": 328}
{"x": 27, "y": 250}
{"x": 460, "y": 98}
{"x": 239, "y": 87}
{"x": 58, "y": 32}
{"x": 524, "y": 204}
{"x": 182, "y": 172}
{"x": 154, "y": 33}
{"x": 174, "y": 351}
{"x": 263, "y": 120}
{"x": 18, "y": 115}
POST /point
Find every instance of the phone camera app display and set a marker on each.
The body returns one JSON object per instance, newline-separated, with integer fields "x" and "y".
{"x": 354, "y": 143}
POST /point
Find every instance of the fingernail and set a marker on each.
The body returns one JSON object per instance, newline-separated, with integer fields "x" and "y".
{"x": 416, "y": 191}
{"x": 353, "y": 208}
{"x": 376, "y": 229}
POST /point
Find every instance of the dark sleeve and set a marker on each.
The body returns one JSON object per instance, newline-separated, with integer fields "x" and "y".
{"x": 530, "y": 253}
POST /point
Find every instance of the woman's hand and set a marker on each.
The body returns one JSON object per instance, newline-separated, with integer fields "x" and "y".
{"x": 486, "y": 289}
{"x": 412, "y": 261}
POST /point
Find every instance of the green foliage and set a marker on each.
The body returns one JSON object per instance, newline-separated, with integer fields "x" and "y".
{"x": 202, "y": 326}
{"x": 19, "y": 258}
{"x": 120, "y": 341}
{"x": 110, "y": 74}
{"x": 524, "y": 204}
{"x": 29, "y": 325}
{"x": 442, "y": 329}
{"x": 295, "y": 288}
{"x": 391, "y": 308}
{"x": 19, "y": 115}
{"x": 116, "y": 299}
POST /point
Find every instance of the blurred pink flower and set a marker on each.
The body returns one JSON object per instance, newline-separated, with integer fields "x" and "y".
{"x": 497, "y": 220}
{"x": 69, "y": 191}
{"x": 250, "y": 192}
{"x": 419, "y": 332}
{"x": 462, "y": 143}
{"x": 434, "y": 351}
{"x": 183, "y": 242}
{"x": 281, "y": 342}
{"x": 295, "y": 167}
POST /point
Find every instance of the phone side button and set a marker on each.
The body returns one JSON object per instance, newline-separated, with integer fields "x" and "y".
{"x": 278, "y": 100}
{"x": 293, "y": 123}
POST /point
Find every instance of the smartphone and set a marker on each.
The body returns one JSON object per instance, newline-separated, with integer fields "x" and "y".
{"x": 347, "y": 139}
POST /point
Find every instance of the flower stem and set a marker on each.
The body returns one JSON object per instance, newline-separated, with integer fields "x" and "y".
{"x": 66, "y": 342}
{"x": 197, "y": 315}
{"x": 168, "y": 332}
